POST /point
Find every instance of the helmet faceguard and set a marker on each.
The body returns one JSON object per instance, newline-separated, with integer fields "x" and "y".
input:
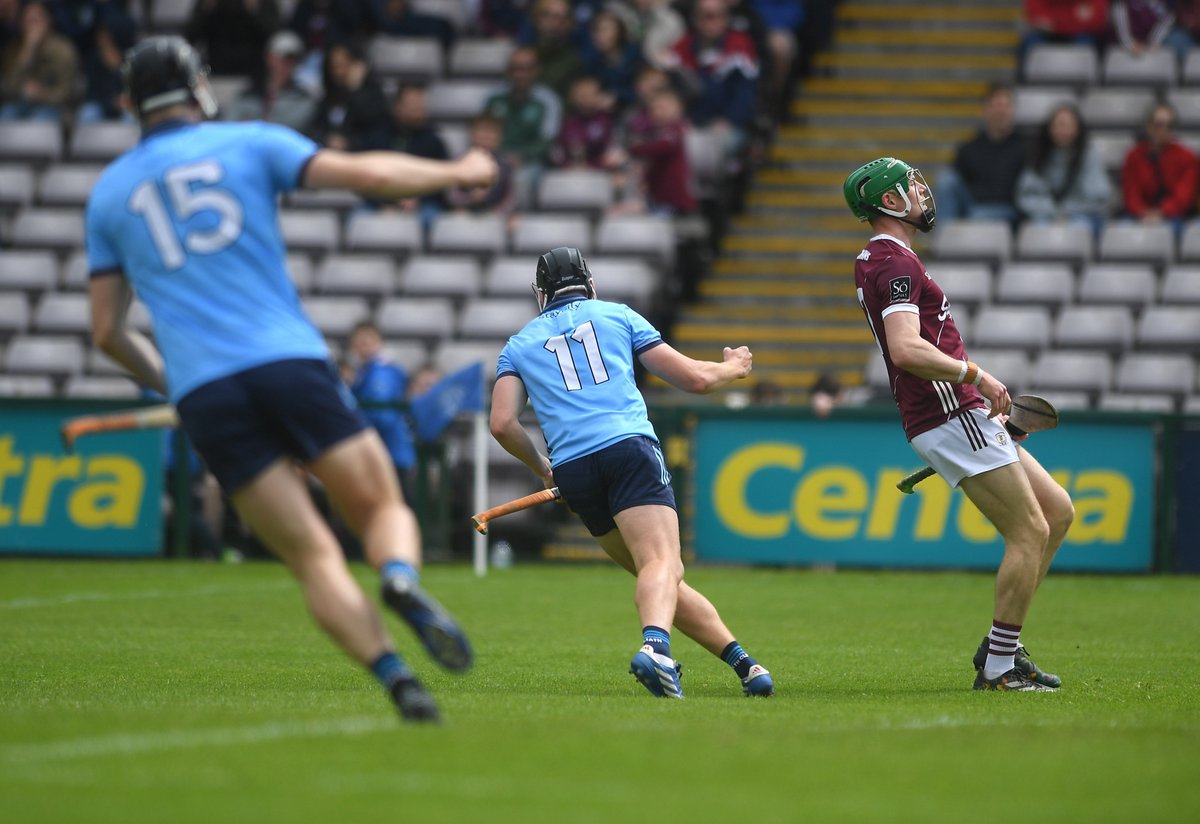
{"x": 166, "y": 71}
{"x": 561, "y": 268}
{"x": 865, "y": 187}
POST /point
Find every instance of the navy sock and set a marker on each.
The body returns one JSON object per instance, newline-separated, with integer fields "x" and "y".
{"x": 658, "y": 639}
{"x": 393, "y": 568}
{"x": 736, "y": 657}
{"x": 388, "y": 669}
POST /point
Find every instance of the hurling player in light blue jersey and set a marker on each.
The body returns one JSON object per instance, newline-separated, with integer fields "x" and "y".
{"x": 187, "y": 221}
{"x": 575, "y": 363}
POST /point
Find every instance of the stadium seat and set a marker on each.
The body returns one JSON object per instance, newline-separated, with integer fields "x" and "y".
{"x": 1187, "y": 107}
{"x": 1140, "y": 402}
{"x": 1012, "y": 327}
{"x": 575, "y": 190}
{"x": 1142, "y": 372}
{"x": 139, "y": 318}
{"x": 1032, "y": 105}
{"x": 35, "y": 271}
{"x": 63, "y": 312}
{"x": 467, "y": 233}
{"x": 16, "y": 185}
{"x": 336, "y": 316}
{"x": 1052, "y": 241}
{"x": 480, "y": 58}
{"x": 1094, "y": 327}
{"x": 625, "y": 279}
{"x": 408, "y": 317}
{"x": 537, "y": 233}
{"x": 453, "y": 355}
{"x": 1012, "y": 367}
{"x": 1050, "y": 284}
{"x": 1168, "y": 327}
{"x": 341, "y": 200}
{"x": 170, "y": 15}
{"x": 1131, "y": 284}
{"x": 67, "y": 185}
{"x": 1153, "y": 67}
{"x": 458, "y": 99}
{"x": 31, "y": 140}
{"x": 965, "y": 283}
{"x": 87, "y": 386}
{"x": 1189, "y": 244}
{"x": 301, "y": 270}
{"x": 311, "y": 230}
{"x": 14, "y": 313}
{"x": 1181, "y": 284}
{"x": 75, "y": 271}
{"x": 458, "y": 12}
{"x": 54, "y": 228}
{"x": 876, "y": 374}
{"x": 227, "y": 89}
{"x": 1112, "y": 148}
{"x": 1105, "y": 108}
{"x": 1078, "y": 371}
{"x": 26, "y": 386}
{"x": 409, "y": 354}
{"x": 1191, "y": 405}
{"x": 101, "y": 142}
{"x": 443, "y": 275}
{"x": 706, "y": 156}
{"x": 99, "y": 363}
{"x": 511, "y": 276}
{"x": 494, "y": 318}
{"x": 370, "y": 275}
{"x": 44, "y": 354}
{"x": 383, "y": 232}
{"x": 963, "y": 322}
{"x": 641, "y": 235}
{"x": 973, "y": 240}
{"x": 1071, "y": 64}
{"x": 1154, "y": 243}
{"x": 1191, "y": 67}
{"x": 406, "y": 58}
{"x": 456, "y": 136}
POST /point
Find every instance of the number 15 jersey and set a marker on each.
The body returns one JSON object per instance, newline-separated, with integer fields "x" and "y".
{"x": 189, "y": 217}
{"x": 576, "y": 361}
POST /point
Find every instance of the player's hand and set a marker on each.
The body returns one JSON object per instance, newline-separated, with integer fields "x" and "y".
{"x": 997, "y": 394}
{"x": 477, "y": 168}
{"x": 1003, "y": 419}
{"x": 741, "y": 358}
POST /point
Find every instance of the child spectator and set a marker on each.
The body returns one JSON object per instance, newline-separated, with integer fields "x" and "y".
{"x": 666, "y": 172}
{"x": 382, "y": 384}
{"x": 487, "y": 132}
{"x": 1158, "y": 179}
{"x": 613, "y": 58}
{"x": 587, "y": 130}
{"x": 38, "y": 72}
{"x": 1065, "y": 178}
{"x": 412, "y": 133}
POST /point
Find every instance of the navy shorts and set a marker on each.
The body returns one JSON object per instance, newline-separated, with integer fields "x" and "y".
{"x": 243, "y": 423}
{"x": 629, "y": 473}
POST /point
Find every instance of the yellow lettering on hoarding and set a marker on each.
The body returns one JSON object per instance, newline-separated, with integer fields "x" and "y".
{"x": 828, "y": 492}
{"x": 729, "y": 488}
{"x": 45, "y": 472}
{"x": 111, "y": 495}
{"x": 1103, "y": 502}
{"x": 10, "y": 466}
{"x": 973, "y": 526}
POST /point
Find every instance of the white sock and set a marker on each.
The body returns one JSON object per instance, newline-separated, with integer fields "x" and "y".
{"x": 1003, "y": 641}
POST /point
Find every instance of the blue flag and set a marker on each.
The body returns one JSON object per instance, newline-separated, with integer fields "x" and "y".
{"x": 460, "y": 392}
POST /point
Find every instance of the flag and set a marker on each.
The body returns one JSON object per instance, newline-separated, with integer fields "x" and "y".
{"x": 459, "y": 392}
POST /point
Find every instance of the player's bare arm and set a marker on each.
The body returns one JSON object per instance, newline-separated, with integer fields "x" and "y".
{"x": 396, "y": 175}
{"x": 914, "y": 354}
{"x": 110, "y": 301}
{"x": 697, "y": 376}
{"x": 508, "y": 399}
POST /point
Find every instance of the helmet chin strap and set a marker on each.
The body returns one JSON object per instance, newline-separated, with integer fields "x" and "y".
{"x": 923, "y": 224}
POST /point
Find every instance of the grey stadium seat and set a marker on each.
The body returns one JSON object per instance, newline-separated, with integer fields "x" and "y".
{"x": 642, "y": 235}
{"x": 63, "y": 312}
{"x": 1106, "y": 108}
{"x": 1187, "y": 106}
{"x": 1140, "y": 402}
{"x": 1112, "y": 148}
{"x": 1154, "y": 243}
{"x": 443, "y": 275}
{"x": 55, "y": 228}
{"x": 1010, "y": 366}
{"x": 26, "y": 386}
{"x": 458, "y": 99}
{"x": 44, "y": 354}
{"x": 86, "y": 386}
{"x": 75, "y": 271}
{"x": 1052, "y": 241}
{"x": 36, "y": 140}
{"x": 706, "y": 156}
{"x": 626, "y": 279}
{"x": 458, "y": 12}
{"x": 411, "y": 355}
{"x": 1189, "y": 244}
{"x": 29, "y": 270}
{"x": 300, "y": 269}
{"x": 407, "y": 58}
{"x": 963, "y": 322}
{"x": 1153, "y": 67}
{"x": 456, "y": 136}
{"x": 1191, "y": 405}
{"x": 1162, "y": 327}
{"x": 511, "y": 276}
{"x": 383, "y": 232}
{"x": 965, "y": 284}
{"x": 170, "y": 15}
{"x": 1181, "y": 284}
{"x": 1077, "y": 371}
{"x": 336, "y": 316}
{"x": 480, "y": 58}
{"x": 356, "y": 275}
{"x": 227, "y": 89}
{"x": 1067, "y": 401}
{"x": 1072, "y": 64}
{"x": 575, "y": 189}
{"x": 1032, "y": 105}
{"x": 1141, "y": 372}
{"x": 102, "y": 141}
{"x": 1130, "y": 284}
{"x": 453, "y": 355}
{"x": 876, "y": 374}
{"x": 311, "y": 230}
{"x": 68, "y": 185}
{"x": 537, "y": 233}
{"x": 14, "y": 312}
{"x": 16, "y": 185}
{"x": 1013, "y": 327}
{"x": 481, "y": 234}
{"x": 973, "y": 240}
{"x": 416, "y": 318}
{"x": 494, "y": 318}
{"x": 99, "y": 363}
{"x": 1094, "y": 327}
{"x": 1044, "y": 283}
{"x": 340, "y": 199}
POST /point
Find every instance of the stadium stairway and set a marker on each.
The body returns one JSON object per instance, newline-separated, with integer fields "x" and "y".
{"x": 900, "y": 78}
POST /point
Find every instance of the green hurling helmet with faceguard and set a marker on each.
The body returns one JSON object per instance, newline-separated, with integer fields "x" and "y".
{"x": 865, "y": 186}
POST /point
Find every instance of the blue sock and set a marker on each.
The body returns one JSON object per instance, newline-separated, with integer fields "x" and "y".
{"x": 393, "y": 568}
{"x": 388, "y": 669}
{"x": 658, "y": 639}
{"x": 736, "y": 657}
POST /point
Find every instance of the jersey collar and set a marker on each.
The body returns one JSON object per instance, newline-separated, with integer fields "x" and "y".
{"x": 893, "y": 238}
{"x": 555, "y": 304}
{"x": 166, "y": 126}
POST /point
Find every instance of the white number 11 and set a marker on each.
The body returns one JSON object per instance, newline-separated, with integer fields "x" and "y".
{"x": 585, "y": 334}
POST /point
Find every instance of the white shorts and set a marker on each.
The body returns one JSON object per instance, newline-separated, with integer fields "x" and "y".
{"x": 966, "y": 446}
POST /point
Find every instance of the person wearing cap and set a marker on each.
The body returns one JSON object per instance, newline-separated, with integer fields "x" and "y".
{"x": 277, "y": 97}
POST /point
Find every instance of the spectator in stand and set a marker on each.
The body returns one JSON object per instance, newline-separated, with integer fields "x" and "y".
{"x": 277, "y": 97}
{"x": 380, "y": 385}
{"x": 503, "y": 18}
{"x": 587, "y": 130}
{"x": 320, "y": 24}
{"x": 613, "y": 57}
{"x": 232, "y": 34}
{"x": 982, "y": 182}
{"x": 487, "y": 133}
{"x": 1064, "y": 180}
{"x": 666, "y": 171}
{"x": 718, "y": 69}
{"x": 396, "y": 18}
{"x": 112, "y": 36}
{"x": 10, "y": 24}
{"x": 1146, "y": 24}
{"x": 39, "y": 71}
{"x": 1159, "y": 177}
{"x": 531, "y": 115}
{"x": 826, "y": 395}
{"x": 353, "y": 114}
{"x": 1187, "y": 19}
{"x": 783, "y": 20}
{"x": 655, "y": 25}
{"x": 1064, "y": 21}
{"x": 558, "y": 45}
{"x": 411, "y": 133}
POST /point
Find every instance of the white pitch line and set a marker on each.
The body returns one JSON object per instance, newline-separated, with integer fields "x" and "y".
{"x": 166, "y": 740}
{"x": 139, "y": 595}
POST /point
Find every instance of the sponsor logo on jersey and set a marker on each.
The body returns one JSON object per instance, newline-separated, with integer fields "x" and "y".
{"x": 900, "y": 289}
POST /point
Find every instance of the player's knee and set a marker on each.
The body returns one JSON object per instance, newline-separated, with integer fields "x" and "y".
{"x": 1062, "y": 516}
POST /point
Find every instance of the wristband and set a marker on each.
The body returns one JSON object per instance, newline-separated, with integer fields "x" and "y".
{"x": 973, "y": 375}
{"x": 962, "y": 373}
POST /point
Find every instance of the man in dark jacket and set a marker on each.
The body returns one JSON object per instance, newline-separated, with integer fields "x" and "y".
{"x": 982, "y": 181}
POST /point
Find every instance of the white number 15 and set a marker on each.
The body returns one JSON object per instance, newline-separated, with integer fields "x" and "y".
{"x": 192, "y": 189}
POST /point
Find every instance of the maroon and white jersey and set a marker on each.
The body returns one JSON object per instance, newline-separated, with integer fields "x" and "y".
{"x": 891, "y": 278}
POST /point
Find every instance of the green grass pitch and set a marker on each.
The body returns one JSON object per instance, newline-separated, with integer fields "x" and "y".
{"x": 183, "y": 692}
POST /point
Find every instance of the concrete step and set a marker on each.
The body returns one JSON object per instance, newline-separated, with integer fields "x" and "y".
{"x": 931, "y": 14}
{"x": 850, "y": 244}
{"x": 850, "y": 157}
{"x": 905, "y": 39}
{"x": 840, "y": 135}
{"x": 766, "y": 355}
{"x": 885, "y": 109}
{"x": 856, "y": 333}
{"x": 787, "y": 378}
{"x": 770, "y": 313}
{"x": 953, "y": 64}
{"x": 870, "y": 87}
